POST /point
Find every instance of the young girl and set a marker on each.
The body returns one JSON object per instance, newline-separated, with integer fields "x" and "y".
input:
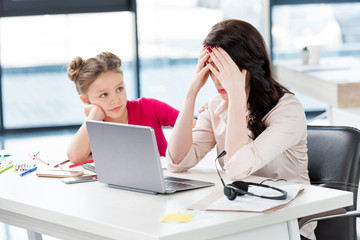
{"x": 100, "y": 84}
{"x": 260, "y": 124}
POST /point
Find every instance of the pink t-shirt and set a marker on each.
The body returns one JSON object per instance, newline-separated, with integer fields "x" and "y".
{"x": 153, "y": 113}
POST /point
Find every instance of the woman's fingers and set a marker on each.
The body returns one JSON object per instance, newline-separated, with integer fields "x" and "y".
{"x": 203, "y": 59}
{"x": 204, "y": 71}
{"x": 219, "y": 55}
{"x": 204, "y": 56}
{"x": 225, "y": 56}
{"x": 215, "y": 59}
{"x": 213, "y": 69}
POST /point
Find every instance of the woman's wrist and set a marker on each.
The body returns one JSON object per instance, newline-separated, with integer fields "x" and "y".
{"x": 191, "y": 94}
{"x": 237, "y": 95}
{"x": 235, "y": 88}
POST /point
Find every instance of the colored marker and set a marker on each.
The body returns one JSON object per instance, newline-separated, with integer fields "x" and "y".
{"x": 3, "y": 170}
{"x": 81, "y": 163}
{"x": 28, "y": 171}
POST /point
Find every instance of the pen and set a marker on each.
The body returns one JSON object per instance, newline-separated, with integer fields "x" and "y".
{"x": 36, "y": 157}
{"x": 81, "y": 163}
{"x": 67, "y": 160}
{"x": 7, "y": 162}
{"x": 28, "y": 171}
{"x": 3, "y": 170}
{"x": 42, "y": 161}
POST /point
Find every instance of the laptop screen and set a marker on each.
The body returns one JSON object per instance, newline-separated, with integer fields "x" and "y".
{"x": 126, "y": 155}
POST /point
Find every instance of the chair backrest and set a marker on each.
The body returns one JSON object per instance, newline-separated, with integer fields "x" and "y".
{"x": 334, "y": 156}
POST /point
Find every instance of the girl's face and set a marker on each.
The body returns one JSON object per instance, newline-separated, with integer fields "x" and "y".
{"x": 108, "y": 92}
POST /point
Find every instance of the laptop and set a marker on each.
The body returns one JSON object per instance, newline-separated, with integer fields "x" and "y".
{"x": 127, "y": 157}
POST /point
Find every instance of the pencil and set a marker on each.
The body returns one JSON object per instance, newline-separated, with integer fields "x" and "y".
{"x": 67, "y": 160}
{"x": 3, "y": 170}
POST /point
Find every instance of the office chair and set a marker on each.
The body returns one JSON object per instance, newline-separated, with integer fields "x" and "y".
{"x": 334, "y": 156}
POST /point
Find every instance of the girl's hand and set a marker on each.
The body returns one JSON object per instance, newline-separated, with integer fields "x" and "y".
{"x": 94, "y": 112}
{"x": 226, "y": 70}
{"x": 201, "y": 72}
{"x": 203, "y": 107}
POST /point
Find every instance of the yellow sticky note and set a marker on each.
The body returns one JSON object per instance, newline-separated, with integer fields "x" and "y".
{"x": 177, "y": 217}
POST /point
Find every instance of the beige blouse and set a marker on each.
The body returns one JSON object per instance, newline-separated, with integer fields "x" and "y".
{"x": 280, "y": 151}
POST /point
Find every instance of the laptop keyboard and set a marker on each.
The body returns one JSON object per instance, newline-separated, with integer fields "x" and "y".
{"x": 172, "y": 185}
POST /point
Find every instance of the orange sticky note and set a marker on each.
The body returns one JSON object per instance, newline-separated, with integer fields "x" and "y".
{"x": 177, "y": 217}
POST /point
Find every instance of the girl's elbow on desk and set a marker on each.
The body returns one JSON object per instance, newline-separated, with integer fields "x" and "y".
{"x": 75, "y": 158}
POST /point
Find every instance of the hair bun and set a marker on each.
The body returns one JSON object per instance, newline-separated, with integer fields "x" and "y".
{"x": 75, "y": 67}
{"x": 111, "y": 57}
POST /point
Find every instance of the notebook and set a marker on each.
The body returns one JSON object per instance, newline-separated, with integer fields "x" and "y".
{"x": 127, "y": 157}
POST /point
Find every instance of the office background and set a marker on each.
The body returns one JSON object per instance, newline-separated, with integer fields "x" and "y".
{"x": 158, "y": 42}
{"x": 35, "y": 49}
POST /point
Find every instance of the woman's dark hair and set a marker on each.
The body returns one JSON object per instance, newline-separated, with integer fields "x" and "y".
{"x": 247, "y": 49}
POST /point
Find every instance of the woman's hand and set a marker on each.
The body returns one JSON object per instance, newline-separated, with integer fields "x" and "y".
{"x": 226, "y": 70}
{"x": 94, "y": 112}
{"x": 201, "y": 72}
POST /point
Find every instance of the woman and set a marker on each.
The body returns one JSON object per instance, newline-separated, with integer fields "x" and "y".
{"x": 260, "y": 124}
{"x": 100, "y": 84}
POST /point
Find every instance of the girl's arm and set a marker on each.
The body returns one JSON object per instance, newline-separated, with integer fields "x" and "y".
{"x": 181, "y": 135}
{"x": 79, "y": 148}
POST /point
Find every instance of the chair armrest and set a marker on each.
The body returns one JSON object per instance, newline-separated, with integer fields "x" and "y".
{"x": 341, "y": 212}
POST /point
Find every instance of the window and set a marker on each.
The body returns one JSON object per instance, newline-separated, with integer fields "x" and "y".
{"x": 35, "y": 52}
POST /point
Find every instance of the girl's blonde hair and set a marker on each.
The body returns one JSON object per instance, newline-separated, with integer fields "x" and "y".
{"x": 85, "y": 72}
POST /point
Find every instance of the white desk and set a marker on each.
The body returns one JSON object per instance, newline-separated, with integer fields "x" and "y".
{"x": 95, "y": 211}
